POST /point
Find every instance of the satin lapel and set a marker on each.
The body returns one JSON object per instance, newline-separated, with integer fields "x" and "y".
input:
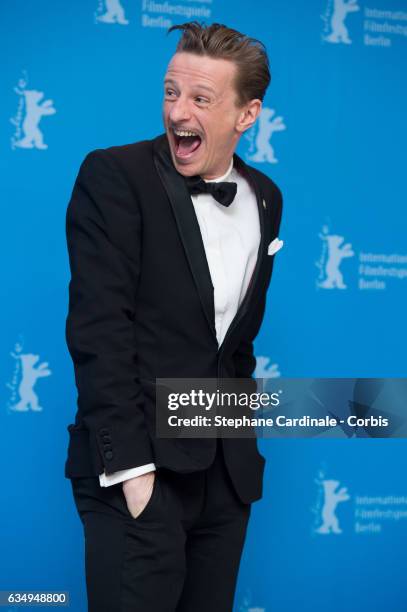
{"x": 188, "y": 226}
{"x": 254, "y": 288}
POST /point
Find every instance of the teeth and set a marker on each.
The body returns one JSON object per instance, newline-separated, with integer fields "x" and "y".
{"x": 184, "y": 133}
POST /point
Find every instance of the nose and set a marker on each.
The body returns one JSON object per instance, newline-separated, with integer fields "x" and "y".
{"x": 179, "y": 111}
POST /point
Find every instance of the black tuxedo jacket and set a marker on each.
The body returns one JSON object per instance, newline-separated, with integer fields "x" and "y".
{"x": 141, "y": 306}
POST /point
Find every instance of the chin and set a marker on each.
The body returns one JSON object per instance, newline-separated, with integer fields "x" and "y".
{"x": 186, "y": 167}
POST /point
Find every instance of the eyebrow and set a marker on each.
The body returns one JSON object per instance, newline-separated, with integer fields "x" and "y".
{"x": 198, "y": 86}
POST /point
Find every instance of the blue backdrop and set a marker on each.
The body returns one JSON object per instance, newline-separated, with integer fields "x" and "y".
{"x": 331, "y": 529}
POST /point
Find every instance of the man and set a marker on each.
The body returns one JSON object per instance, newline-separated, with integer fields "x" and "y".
{"x": 168, "y": 245}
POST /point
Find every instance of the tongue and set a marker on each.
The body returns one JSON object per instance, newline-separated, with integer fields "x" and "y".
{"x": 188, "y": 144}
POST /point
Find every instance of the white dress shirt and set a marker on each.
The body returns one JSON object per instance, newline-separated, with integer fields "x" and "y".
{"x": 231, "y": 238}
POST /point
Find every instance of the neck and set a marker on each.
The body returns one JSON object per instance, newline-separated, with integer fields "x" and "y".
{"x": 222, "y": 172}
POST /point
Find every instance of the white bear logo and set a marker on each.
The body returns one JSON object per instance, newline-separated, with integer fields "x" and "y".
{"x": 264, "y": 151}
{"x": 246, "y": 605}
{"x": 30, "y": 375}
{"x": 34, "y": 111}
{"x": 332, "y": 497}
{"x": 266, "y": 369}
{"x": 339, "y": 32}
{"x": 329, "y": 264}
{"x": 114, "y": 13}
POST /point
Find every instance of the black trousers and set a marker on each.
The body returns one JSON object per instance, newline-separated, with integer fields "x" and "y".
{"x": 181, "y": 554}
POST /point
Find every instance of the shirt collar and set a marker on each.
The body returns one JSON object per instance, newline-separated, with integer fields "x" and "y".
{"x": 224, "y": 177}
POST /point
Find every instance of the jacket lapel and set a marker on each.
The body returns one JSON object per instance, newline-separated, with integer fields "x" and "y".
{"x": 254, "y": 289}
{"x": 188, "y": 226}
{"x": 190, "y": 234}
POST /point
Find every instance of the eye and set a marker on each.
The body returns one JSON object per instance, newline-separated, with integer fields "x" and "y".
{"x": 201, "y": 100}
{"x": 169, "y": 92}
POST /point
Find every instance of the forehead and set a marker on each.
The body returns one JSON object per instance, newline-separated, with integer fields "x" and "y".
{"x": 200, "y": 69}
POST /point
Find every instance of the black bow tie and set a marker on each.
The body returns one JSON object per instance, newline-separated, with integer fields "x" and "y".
{"x": 223, "y": 192}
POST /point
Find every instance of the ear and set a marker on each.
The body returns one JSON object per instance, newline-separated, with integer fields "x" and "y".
{"x": 248, "y": 115}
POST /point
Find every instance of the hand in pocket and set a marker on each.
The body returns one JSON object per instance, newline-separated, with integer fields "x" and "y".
{"x": 138, "y": 492}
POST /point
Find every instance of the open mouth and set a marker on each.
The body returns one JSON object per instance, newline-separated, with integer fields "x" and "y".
{"x": 186, "y": 142}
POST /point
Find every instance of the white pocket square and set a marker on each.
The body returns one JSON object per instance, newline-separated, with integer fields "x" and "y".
{"x": 274, "y": 246}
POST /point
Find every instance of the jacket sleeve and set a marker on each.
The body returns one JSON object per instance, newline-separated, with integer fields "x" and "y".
{"x": 103, "y": 228}
{"x": 244, "y": 359}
